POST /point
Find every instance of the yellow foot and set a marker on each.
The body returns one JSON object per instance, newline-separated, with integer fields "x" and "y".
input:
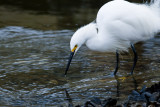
{"x": 122, "y": 78}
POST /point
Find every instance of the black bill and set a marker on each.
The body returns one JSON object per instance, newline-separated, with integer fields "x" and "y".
{"x": 69, "y": 62}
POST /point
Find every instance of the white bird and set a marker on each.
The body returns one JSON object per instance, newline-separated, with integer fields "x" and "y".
{"x": 119, "y": 25}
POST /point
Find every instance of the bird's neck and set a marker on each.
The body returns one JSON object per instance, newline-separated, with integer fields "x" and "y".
{"x": 94, "y": 43}
{"x": 91, "y": 36}
{"x": 97, "y": 40}
{"x": 90, "y": 31}
{"x": 93, "y": 39}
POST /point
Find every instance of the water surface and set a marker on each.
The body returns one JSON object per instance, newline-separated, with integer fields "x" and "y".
{"x": 34, "y": 50}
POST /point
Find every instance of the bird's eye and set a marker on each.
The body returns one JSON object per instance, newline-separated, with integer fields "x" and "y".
{"x": 75, "y": 47}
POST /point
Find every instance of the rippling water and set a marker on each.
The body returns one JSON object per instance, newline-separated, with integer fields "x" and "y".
{"x": 33, "y": 60}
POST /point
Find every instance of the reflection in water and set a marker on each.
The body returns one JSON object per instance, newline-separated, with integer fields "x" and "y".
{"x": 52, "y": 6}
{"x": 49, "y": 14}
{"x": 119, "y": 82}
{"x": 70, "y": 104}
{"x": 122, "y": 79}
{"x": 63, "y": 18}
{"x": 33, "y": 61}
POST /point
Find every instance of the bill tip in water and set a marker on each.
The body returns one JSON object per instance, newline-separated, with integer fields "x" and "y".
{"x": 65, "y": 74}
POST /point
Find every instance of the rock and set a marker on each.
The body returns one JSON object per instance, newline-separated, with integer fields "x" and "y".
{"x": 146, "y": 97}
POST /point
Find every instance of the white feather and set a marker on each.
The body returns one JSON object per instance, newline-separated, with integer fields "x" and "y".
{"x": 119, "y": 24}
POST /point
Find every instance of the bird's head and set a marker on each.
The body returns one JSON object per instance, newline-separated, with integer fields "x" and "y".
{"x": 79, "y": 38}
{"x": 76, "y": 42}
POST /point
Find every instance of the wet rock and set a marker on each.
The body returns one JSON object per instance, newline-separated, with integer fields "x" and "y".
{"x": 110, "y": 102}
{"x": 96, "y": 102}
{"x": 154, "y": 97}
{"x": 146, "y": 97}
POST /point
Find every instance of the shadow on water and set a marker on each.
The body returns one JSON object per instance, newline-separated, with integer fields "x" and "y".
{"x": 34, "y": 50}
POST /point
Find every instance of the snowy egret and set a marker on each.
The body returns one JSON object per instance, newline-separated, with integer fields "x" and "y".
{"x": 119, "y": 25}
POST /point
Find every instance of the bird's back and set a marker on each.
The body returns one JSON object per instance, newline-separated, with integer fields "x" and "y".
{"x": 127, "y": 22}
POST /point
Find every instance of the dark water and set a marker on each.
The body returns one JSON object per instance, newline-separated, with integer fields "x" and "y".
{"x": 34, "y": 50}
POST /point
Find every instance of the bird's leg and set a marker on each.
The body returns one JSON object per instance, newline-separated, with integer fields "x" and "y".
{"x": 135, "y": 83}
{"x": 135, "y": 58}
{"x": 118, "y": 85}
{"x": 117, "y": 61}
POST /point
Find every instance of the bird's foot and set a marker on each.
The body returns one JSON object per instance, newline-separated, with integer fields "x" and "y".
{"x": 122, "y": 78}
